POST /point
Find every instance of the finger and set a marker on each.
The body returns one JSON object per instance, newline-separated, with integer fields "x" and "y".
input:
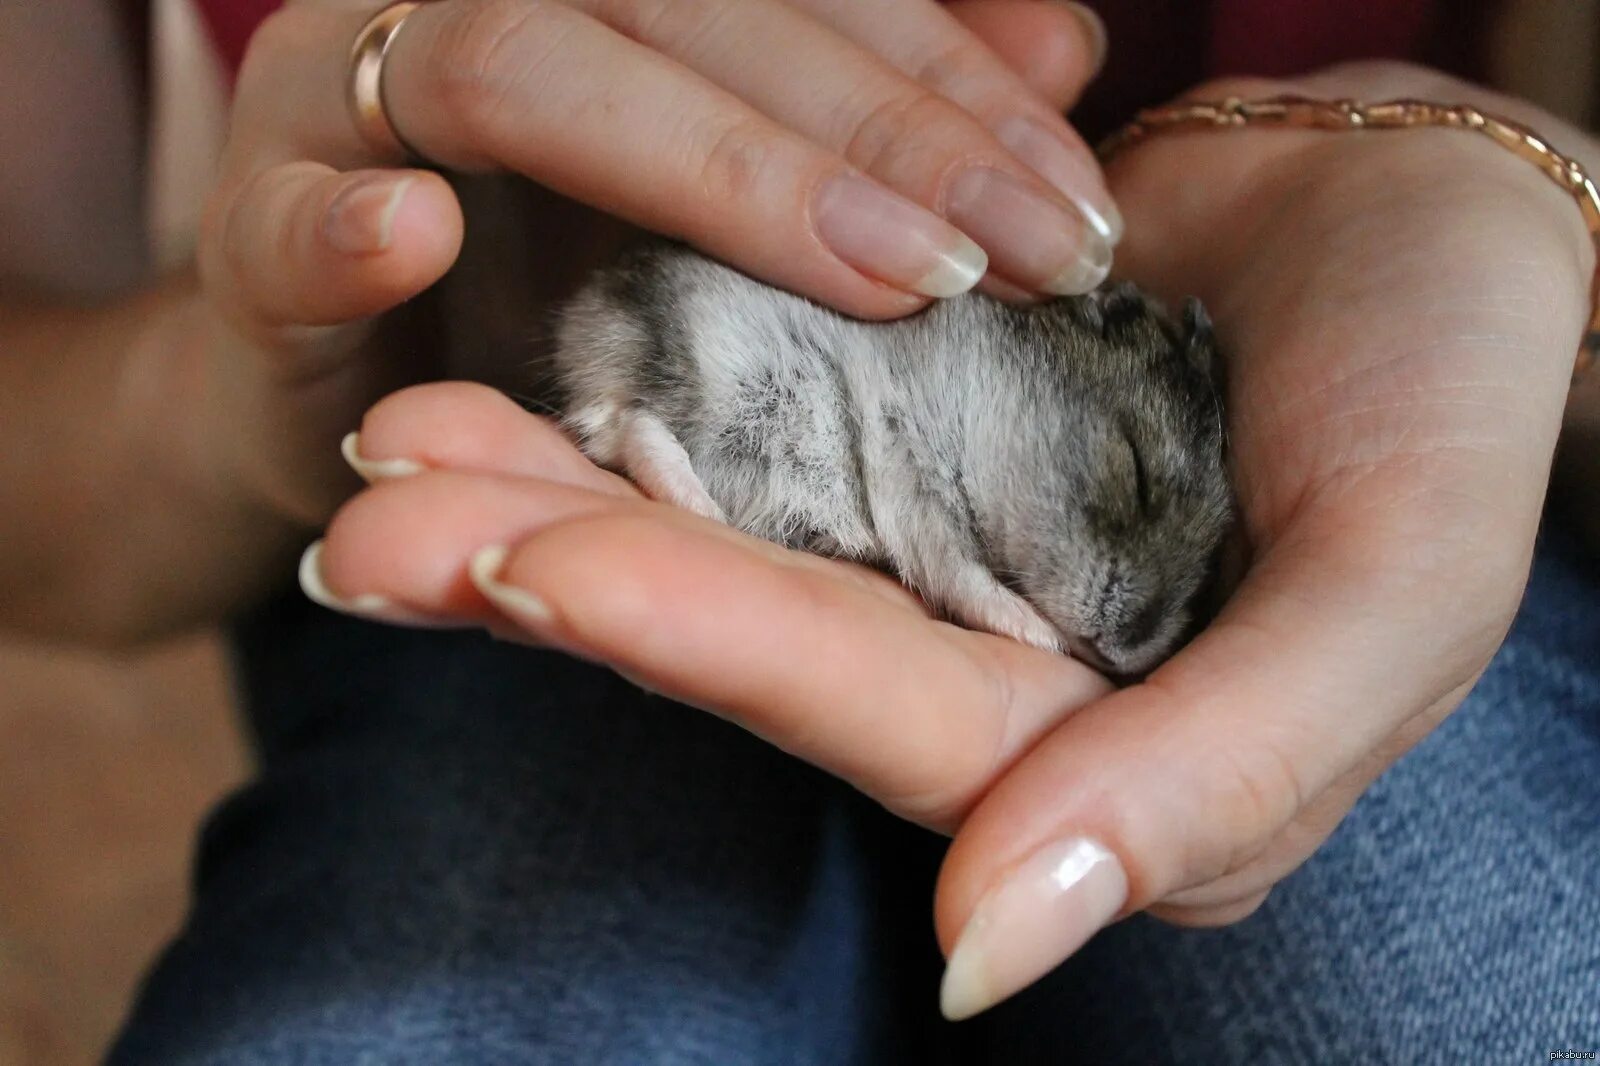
{"x": 552, "y": 93}
{"x": 1055, "y": 48}
{"x": 919, "y": 714}
{"x": 1047, "y": 53}
{"x": 448, "y": 516}
{"x": 464, "y": 426}
{"x": 1174, "y": 782}
{"x": 302, "y": 245}
{"x": 913, "y": 138}
{"x": 1307, "y": 831}
{"x": 545, "y": 90}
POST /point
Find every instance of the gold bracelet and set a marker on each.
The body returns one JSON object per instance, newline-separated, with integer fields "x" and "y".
{"x": 1301, "y": 112}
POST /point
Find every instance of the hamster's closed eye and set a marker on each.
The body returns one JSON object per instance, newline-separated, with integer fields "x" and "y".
{"x": 1050, "y": 473}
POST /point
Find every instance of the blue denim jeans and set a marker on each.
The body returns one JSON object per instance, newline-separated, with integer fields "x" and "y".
{"x": 465, "y": 852}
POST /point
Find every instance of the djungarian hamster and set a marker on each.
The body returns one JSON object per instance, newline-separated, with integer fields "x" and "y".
{"x": 1052, "y": 473}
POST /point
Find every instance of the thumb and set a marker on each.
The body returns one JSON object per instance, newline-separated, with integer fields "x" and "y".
{"x": 300, "y": 247}
{"x": 1327, "y": 649}
{"x": 297, "y": 263}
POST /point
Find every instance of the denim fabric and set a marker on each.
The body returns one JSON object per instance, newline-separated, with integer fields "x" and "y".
{"x": 464, "y": 852}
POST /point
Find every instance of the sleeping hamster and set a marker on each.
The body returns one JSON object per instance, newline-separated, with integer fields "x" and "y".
{"x": 1052, "y": 473}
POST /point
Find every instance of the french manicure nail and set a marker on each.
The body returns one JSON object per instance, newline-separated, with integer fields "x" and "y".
{"x": 375, "y": 470}
{"x": 1031, "y": 238}
{"x": 1054, "y": 160}
{"x": 1094, "y": 28}
{"x": 484, "y": 570}
{"x": 522, "y": 608}
{"x": 892, "y": 239}
{"x": 364, "y": 605}
{"x": 1044, "y": 910}
{"x": 360, "y": 220}
{"x": 312, "y": 583}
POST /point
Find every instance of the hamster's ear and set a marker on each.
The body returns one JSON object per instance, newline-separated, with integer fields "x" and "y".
{"x": 1199, "y": 343}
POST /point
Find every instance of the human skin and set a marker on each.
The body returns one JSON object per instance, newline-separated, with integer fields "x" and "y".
{"x": 169, "y": 445}
{"x": 1401, "y": 312}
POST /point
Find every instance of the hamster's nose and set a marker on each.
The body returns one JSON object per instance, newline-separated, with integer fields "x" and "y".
{"x": 1142, "y": 627}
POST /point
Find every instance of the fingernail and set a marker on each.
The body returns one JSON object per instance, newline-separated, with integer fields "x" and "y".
{"x": 365, "y": 605}
{"x": 360, "y": 220}
{"x": 1054, "y": 160}
{"x": 892, "y": 239}
{"x": 375, "y": 470}
{"x": 1094, "y": 28}
{"x": 520, "y": 607}
{"x": 1025, "y": 926}
{"x": 484, "y": 570}
{"x": 1031, "y": 239}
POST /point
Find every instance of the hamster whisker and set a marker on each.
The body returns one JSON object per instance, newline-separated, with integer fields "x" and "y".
{"x": 536, "y": 404}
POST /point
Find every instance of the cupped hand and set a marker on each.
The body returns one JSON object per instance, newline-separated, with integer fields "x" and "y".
{"x": 1400, "y": 312}
{"x": 871, "y": 157}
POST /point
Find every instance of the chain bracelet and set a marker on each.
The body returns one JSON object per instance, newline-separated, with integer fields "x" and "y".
{"x": 1301, "y": 112}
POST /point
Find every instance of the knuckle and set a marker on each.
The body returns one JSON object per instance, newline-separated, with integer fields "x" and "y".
{"x": 957, "y": 71}
{"x": 265, "y": 223}
{"x": 1261, "y": 791}
{"x": 253, "y": 244}
{"x": 230, "y": 224}
{"x": 906, "y": 134}
{"x": 1239, "y": 794}
{"x": 736, "y": 155}
{"x": 958, "y": 774}
{"x": 363, "y": 553}
{"x": 484, "y": 51}
{"x": 672, "y": 25}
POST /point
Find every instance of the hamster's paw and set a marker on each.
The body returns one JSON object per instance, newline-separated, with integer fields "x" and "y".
{"x": 994, "y": 608}
{"x": 655, "y": 461}
{"x": 1113, "y": 305}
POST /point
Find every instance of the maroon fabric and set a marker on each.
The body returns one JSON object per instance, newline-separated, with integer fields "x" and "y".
{"x": 1160, "y": 47}
{"x": 232, "y": 22}
{"x": 1273, "y": 38}
{"x": 1155, "y": 54}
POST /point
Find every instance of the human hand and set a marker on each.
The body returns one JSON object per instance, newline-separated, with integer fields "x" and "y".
{"x": 891, "y": 156}
{"x": 1400, "y": 312}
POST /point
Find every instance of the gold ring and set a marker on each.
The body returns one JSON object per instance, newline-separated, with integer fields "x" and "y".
{"x": 367, "y": 104}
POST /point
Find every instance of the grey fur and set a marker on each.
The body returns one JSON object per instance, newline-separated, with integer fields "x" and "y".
{"x": 1043, "y": 472}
